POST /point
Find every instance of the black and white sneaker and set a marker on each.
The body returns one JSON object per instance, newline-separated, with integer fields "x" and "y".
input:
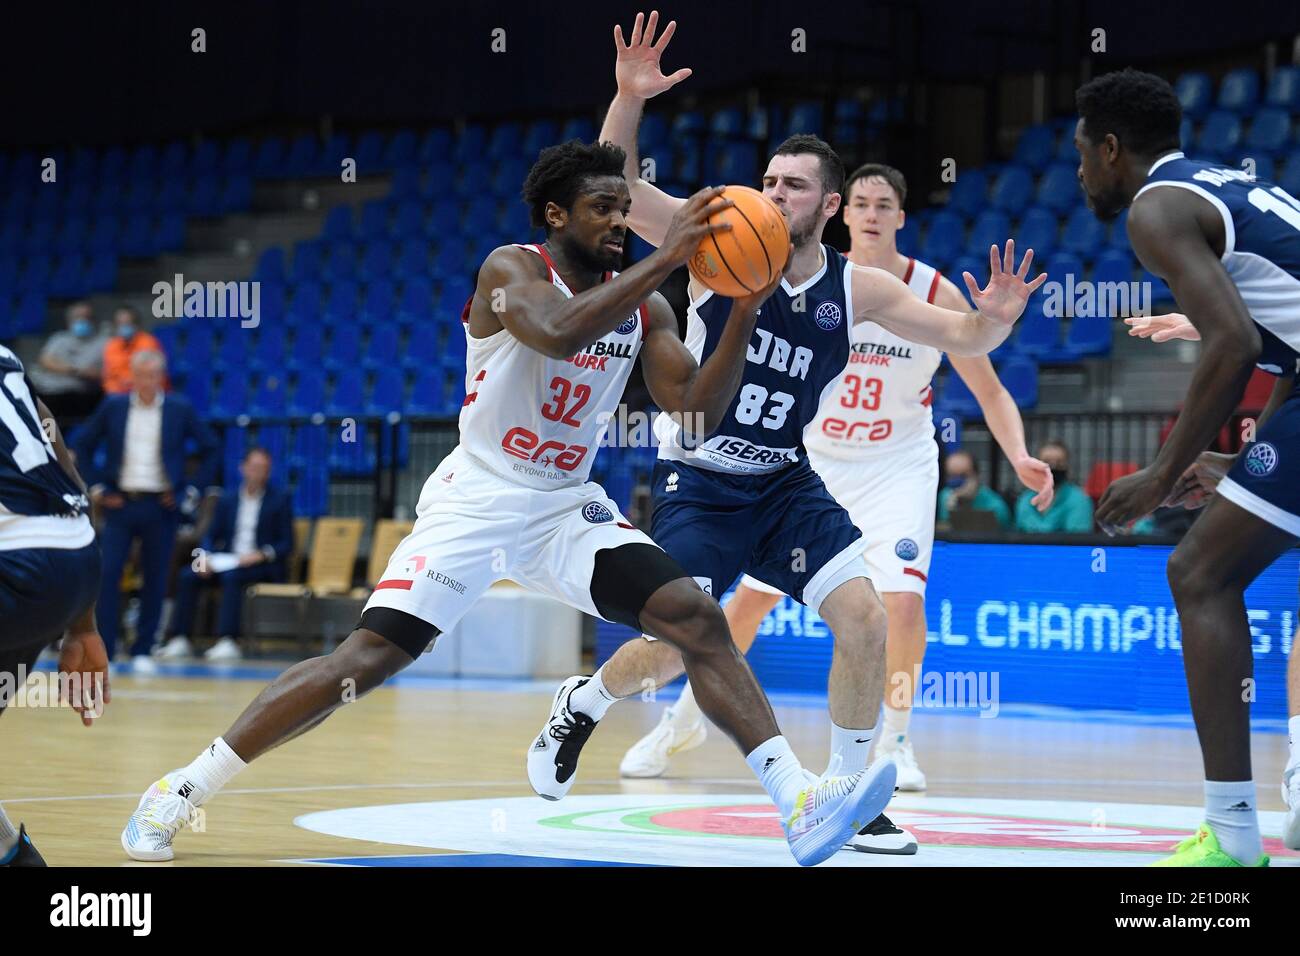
{"x": 24, "y": 854}
{"x": 553, "y": 756}
{"x": 882, "y": 836}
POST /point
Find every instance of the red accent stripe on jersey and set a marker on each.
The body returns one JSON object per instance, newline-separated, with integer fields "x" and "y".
{"x": 552, "y": 272}
{"x": 911, "y": 264}
{"x": 624, "y": 524}
{"x": 934, "y": 287}
{"x": 645, "y": 318}
{"x": 464, "y": 313}
{"x": 916, "y": 572}
{"x": 929, "y": 396}
{"x": 395, "y": 584}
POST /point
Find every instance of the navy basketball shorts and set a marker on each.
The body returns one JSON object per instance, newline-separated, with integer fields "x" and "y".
{"x": 1265, "y": 478}
{"x": 42, "y": 591}
{"x": 784, "y": 529}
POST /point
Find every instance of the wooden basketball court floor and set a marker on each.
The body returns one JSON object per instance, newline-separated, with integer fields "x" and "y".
{"x": 431, "y": 772}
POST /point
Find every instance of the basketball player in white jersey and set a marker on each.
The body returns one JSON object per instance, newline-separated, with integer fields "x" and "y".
{"x": 551, "y": 335}
{"x": 873, "y": 444}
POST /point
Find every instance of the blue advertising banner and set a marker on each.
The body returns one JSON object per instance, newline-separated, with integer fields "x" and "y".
{"x": 1079, "y": 626}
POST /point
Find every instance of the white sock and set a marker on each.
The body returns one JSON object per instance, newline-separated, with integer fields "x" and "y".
{"x": 592, "y": 698}
{"x": 8, "y": 835}
{"x": 686, "y": 712}
{"x": 209, "y": 772}
{"x": 1293, "y": 737}
{"x": 894, "y": 733}
{"x": 779, "y": 771}
{"x": 1230, "y": 811}
{"x": 852, "y": 745}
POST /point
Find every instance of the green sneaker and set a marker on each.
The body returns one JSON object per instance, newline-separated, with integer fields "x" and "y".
{"x": 1202, "y": 849}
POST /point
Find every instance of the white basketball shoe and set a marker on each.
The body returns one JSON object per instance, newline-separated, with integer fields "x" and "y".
{"x": 162, "y": 811}
{"x": 649, "y": 756}
{"x": 910, "y": 776}
{"x": 882, "y": 835}
{"x": 831, "y": 811}
{"x": 1291, "y": 797}
{"x": 553, "y": 756}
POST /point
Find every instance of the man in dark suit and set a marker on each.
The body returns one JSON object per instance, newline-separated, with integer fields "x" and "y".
{"x": 143, "y": 436}
{"x": 253, "y": 524}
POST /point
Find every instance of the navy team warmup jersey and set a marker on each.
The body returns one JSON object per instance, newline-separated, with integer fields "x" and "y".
{"x": 1261, "y": 250}
{"x": 799, "y": 347}
{"x": 40, "y": 504}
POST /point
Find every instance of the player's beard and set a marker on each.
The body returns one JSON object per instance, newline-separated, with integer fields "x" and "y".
{"x": 591, "y": 260}
{"x": 803, "y": 232}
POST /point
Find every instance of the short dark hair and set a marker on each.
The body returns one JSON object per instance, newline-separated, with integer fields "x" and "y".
{"x": 889, "y": 174}
{"x": 831, "y": 166}
{"x": 559, "y": 171}
{"x": 1055, "y": 443}
{"x": 1141, "y": 109}
{"x": 258, "y": 450}
{"x": 124, "y": 307}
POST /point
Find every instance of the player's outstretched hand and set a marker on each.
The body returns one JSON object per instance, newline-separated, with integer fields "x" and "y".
{"x": 690, "y": 224}
{"x": 1162, "y": 328}
{"x": 637, "y": 67}
{"x": 1037, "y": 477}
{"x": 83, "y": 675}
{"x": 1128, "y": 499}
{"x": 1004, "y": 298}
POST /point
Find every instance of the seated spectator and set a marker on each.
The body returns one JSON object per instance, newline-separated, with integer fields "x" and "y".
{"x": 128, "y": 338}
{"x": 963, "y": 490}
{"x": 254, "y": 525}
{"x": 67, "y": 374}
{"x": 1071, "y": 509}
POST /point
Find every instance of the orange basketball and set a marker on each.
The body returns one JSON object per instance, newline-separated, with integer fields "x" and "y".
{"x": 751, "y": 254}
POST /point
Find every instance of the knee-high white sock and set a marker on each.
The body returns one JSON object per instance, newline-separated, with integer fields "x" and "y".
{"x": 208, "y": 772}
{"x": 779, "y": 771}
{"x": 852, "y": 745}
{"x": 8, "y": 837}
{"x": 592, "y": 698}
{"x": 686, "y": 712}
{"x": 1293, "y": 738}
{"x": 1231, "y": 811}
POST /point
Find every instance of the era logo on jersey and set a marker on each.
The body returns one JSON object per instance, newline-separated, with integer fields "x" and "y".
{"x": 906, "y": 549}
{"x": 671, "y": 486}
{"x": 1261, "y": 459}
{"x": 828, "y": 316}
{"x": 842, "y": 430}
{"x": 522, "y": 443}
{"x": 775, "y": 352}
{"x": 597, "y": 513}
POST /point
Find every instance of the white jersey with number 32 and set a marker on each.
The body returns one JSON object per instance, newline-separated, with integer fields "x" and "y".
{"x": 882, "y": 401}
{"x": 539, "y": 420}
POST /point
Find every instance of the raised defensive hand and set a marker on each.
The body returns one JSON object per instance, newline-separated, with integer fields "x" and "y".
{"x": 637, "y": 67}
{"x": 1004, "y": 298}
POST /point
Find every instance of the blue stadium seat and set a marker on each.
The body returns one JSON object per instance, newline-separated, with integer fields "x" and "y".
{"x": 470, "y": 145}
{"x": 207, "y": 159}
{"x": 504, "y": 141}
{"x": 271, "y": 348}
{"x": 958, "y": 398}
{"x": 353, "y": 457}
{"x": 805, "y": 118}
{"x": 101, "y": 274}
{"x": 197, "y": 387}
{"x": 908, "y": 239}
{"x": 379, "y": 304}
{"x": 990, "y": 228}
{"x": 1220, "y": 135}
{"x": 1020, "y": 377}
{"x": 309, "y": 392}
{"x": 143, "y": 164}
{"x": 1239, "y": 91}
{"x": 408, "y": 220}
{"x": 307, "y": 257}
{"x": 444, "y": 218}
{"x": 174, "y": 160}
{"x": 416, "y": 306}
{"x": 515, "y": 223}
{"x": 537, "y": 137}
{"x": 302, "y": 157}
{"x": 1036, "y": 146}
{"x": 344, "y": 347}
{"x": 104, "y": 234}
{"x": 68, "y": 278}
{"x": 1289, "y": 176}
{"x": 653, "y": 133}
{"x": 736, "y": 163}
{"x": 1195, "y": 93}
{"x": 427, "y": 391}
{"x": 943, "y": 237}
{"x": 412, "y": 258}
{"x": 1089, "y": 335}
{"x": 450, "y": 258}
{"x": 1012, "y": 189}
{"x": 435, "y": 145}
{"x": 1037, "y": 334}
{"x": 238, "y": 157}
{"x": 401, "y": 150}
{"x": 423, "y": 347}
{"x": 308, "y": 348}
{"x": 233, "y": 347}
{"x": 382, "y": 351}
{"x": 374, "y": 219}
{"x": 369, "y": 152}
{"x": 231, "y": 397}
{"x": 1284, "y": 88}
{"x": 727, "y": 123}
{"x": 338, "y": 223}
{"x": 198, "y": 346}
{"x": 1085, "y": 234}
{"x": 347, "y": 397}
{"x": 169, "y": 234}
{"x": 1036, "y": 230}
{"x": 270, "y": 265}
{"x": 35, "y": 274}
{"x": 579, "y": 127}
{"x": 1059, "y": 188}
{"x": 386, "y": 392}
{"x": 1269, "y": 131}
{"x": 376, "y": 260}
{"x": 204, "y": 198}
{"x": 1119, "y": 233}
{"x": 969, "y": 192}
{"x": 1113, "y": 266}
{"x": 340, "y": 262}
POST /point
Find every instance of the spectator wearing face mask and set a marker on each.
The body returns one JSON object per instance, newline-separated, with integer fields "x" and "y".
{"x": 962, "y": 489}
{"x": 67, "y": 374}
{"x": 1071, "y": 509}
{"x": 128, "y": 339}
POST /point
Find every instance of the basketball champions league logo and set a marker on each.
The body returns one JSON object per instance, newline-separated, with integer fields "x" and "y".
{"x": 628, "y": 327}
{"x": 828, "y": 316}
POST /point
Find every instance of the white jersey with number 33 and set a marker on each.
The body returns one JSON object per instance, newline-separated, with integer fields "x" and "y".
{"x": 882, "y": 401}
{"x": 538, "y": 420}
